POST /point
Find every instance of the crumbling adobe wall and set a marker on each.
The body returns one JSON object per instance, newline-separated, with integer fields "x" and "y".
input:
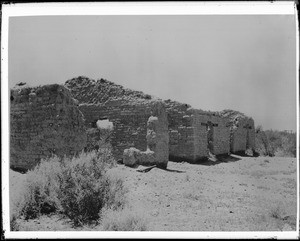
{"x": 250, "y": 134}
{"x": 181, "y": 131}
{"x": 220, "y": 132}
{"x": 239, "y": 139}
{"x": 242, "y": 131}
{"x": 243, "y": 135}
{"x": 100, "y": 91}
{"x": 129, "y": 121}
{"x": 221, "y": 138}
{"x": 157, "y": 152}
{"x": 188, "y": 129}
{"x": 192, "y": 133}
{"x": 188, "y": 139}
{"x": 43, "y": 121}
{"x": 128, "y": 110}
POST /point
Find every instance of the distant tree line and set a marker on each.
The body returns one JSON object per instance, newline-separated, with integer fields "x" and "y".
{"x": 275, "y": 143}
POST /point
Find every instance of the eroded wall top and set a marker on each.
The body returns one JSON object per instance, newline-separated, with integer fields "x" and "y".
{"x": 101, "y": 91}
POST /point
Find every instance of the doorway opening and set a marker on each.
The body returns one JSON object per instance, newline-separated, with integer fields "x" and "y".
{"x": 210, "y": 137}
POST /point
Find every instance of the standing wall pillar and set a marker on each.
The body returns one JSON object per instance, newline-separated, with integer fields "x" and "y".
{"x": 158, "y": 135}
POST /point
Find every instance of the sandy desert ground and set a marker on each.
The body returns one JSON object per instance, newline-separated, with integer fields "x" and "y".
{"x": 232, "y": 194}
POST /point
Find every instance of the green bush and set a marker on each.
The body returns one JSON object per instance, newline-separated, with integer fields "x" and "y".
{"x": 77, "y": 187}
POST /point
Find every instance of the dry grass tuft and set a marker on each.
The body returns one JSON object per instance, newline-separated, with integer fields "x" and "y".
{"x": 123, "y": 220}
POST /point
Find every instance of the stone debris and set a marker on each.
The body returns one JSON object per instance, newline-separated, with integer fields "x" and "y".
{"x": 134, "y": 157}
{"x": 131, "y": 157}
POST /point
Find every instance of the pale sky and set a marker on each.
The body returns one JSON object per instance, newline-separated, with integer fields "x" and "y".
{"x": 212, "y": 62}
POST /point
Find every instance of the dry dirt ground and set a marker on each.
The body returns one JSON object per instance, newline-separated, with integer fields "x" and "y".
{"x": 234, "y": 194}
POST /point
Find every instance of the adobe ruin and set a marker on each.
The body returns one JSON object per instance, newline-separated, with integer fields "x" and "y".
{"x": 43, "y": 121}
{"x": 191, "y": 134}
{"x": 157, "y": 152}
{"x": 196, "y": 133}
{"x": 242, "y": 131}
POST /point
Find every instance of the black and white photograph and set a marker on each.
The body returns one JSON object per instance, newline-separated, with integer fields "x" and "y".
{"x": 150, "y": 120}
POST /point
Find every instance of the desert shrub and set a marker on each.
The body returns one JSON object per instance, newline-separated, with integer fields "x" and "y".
{"x": 115, "y": 193}
{"x": 105, "y": 156}
{"x": 14, "y": 225}
{"x": 83, "y": 188}
{"x": 41, "y": 189}
{"x": 288, "y": 144}
{"x": 123, "y": 220}
{"x": 262, "y": 145}
{"x": 148, "y": 97}
{"x": 77, "y": 187}
{"x": 275, "y": 143}
{"x": 277, "y": 211}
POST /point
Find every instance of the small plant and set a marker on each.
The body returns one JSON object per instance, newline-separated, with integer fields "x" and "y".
{"x": 123, "y": 220}
{"x": 277, "y": 212}
{"x": 187, "y": 178}
{"x": 192, "y": 196}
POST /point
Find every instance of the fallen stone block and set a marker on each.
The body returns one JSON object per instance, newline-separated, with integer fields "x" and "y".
{"x": 131, "y": 157}
{"x": 147, "y": 158}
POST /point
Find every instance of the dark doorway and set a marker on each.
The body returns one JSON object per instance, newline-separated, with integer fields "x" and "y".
{"x": 247, "y": 139}
{"x": 248, "y": 129}
{"x": 210, "y": 137}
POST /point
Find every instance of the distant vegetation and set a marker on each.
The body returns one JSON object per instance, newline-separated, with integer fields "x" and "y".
{"x": 275, "y": 143}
